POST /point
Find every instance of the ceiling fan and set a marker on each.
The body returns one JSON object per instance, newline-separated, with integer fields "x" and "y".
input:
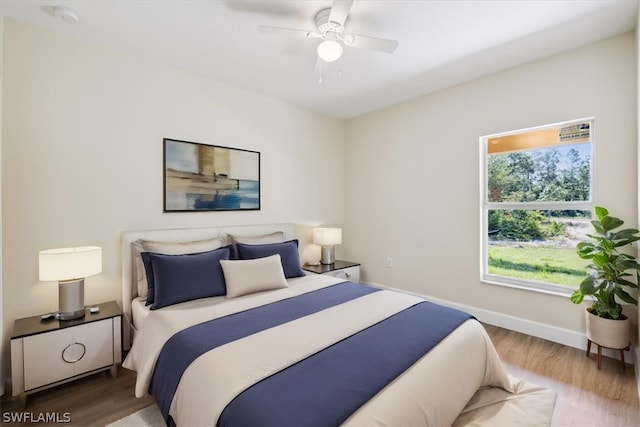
{"x": 330, "y": 28}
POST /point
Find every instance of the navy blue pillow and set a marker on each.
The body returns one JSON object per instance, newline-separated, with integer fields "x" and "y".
{"x": 180, "y": 278}
{"x": 288, "y": 252}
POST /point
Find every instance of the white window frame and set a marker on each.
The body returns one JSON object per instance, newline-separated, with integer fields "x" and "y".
{"x": 486, "y": 206}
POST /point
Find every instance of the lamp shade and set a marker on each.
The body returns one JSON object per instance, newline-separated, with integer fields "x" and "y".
{"x": 70, "y": 263}
{"x": 327, "y": 236}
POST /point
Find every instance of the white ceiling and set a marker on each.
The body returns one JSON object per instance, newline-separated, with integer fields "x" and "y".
{"x": 441, "y": 43}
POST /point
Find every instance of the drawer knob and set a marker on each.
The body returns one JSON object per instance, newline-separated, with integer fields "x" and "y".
{"x": 73, "y": 352}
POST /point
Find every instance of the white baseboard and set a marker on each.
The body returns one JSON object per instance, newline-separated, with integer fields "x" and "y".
{"x": 529, "y": 327}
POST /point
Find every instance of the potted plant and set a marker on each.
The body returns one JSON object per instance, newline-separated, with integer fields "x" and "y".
{"x": 610, "y": 272}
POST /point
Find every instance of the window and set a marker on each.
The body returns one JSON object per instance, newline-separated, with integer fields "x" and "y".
{"x": 536, "y": 205}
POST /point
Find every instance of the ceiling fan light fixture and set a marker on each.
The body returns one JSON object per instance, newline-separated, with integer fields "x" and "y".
{"x": 329, "y": 50}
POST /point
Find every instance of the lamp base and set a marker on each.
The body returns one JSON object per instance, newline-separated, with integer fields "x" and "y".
{"x": 70, "y": 299}
{"x": 327, "y": 254}
{"x": 71, "y": 315}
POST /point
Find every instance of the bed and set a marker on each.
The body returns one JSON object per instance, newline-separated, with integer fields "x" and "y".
{"x": 276, "y": 346}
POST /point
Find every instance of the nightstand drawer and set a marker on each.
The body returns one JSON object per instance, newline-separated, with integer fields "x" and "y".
{"x": 54, "y": 356}
{"x": 352, "y": 274}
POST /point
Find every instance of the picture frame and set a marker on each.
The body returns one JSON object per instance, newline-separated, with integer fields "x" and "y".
{"x": 201, "y": 177}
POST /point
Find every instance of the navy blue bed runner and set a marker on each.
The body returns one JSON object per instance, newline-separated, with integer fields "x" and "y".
{"x": 325, "y": 388}
{"x": 187, "y": 345}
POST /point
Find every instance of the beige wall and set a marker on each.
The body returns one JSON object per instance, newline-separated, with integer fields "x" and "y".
{"x": 82, "y": 156}
{"x": 1, "y": 288}
{"x": 637, "y": 344}
{"x": 412, "y": 173}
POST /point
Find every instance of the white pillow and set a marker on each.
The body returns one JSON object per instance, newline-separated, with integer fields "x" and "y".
{"x": 275, "y": 237}
{"x": 139, "y": 276}
{"x": 244, "y": 277}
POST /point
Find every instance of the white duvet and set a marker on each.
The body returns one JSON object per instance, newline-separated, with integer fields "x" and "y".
{"x": 433, "y": 391}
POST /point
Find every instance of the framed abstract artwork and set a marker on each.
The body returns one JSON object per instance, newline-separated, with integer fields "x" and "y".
{"x": 201, "y": 177}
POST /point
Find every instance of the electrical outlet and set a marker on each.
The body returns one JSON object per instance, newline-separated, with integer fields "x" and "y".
{"x": 389, "y": 262}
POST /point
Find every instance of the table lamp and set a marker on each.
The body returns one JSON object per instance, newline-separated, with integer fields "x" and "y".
{"x": 327, "y": 238}
{"x": 69, "y": 266}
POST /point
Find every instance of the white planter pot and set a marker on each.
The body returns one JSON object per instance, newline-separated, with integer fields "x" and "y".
{"x": 607, "y": 332}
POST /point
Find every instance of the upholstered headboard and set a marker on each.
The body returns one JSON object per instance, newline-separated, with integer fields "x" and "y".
{"x": 129, "y": 287}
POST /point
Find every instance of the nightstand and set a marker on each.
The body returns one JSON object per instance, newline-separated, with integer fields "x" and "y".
{"x": 46, "y": 353}
{"x": 344, "y": 269}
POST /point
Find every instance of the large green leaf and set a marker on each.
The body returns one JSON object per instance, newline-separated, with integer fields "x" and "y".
{"x": 627, "y": 264}
{"x": 600, "y": 259}
{"x": 624, "y": 296}
{"x": 598, "y": 237}
{"x": 626, "y": 233}
{"x": 588, "y": 286}
{"x": 628, "y": 283}
{"x": 601, "y": 212}
{"x": 623, "y": 256}
{"x": 624, "y": 242}
{"x": 586, "y": 250}
{"x": 577, "y": 297}
{"x": 610, "y": 223}
{"x": 598, "y": 226}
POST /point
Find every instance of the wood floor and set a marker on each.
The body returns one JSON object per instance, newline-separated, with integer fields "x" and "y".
{"x": 92, "y": 401}
{"x": 586, "y": 396}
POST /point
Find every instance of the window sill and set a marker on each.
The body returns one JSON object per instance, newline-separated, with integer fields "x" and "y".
{"x": 544, "y": 288}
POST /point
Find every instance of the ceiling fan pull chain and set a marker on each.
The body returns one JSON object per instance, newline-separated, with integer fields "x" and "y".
{"x": 319, "y": 69}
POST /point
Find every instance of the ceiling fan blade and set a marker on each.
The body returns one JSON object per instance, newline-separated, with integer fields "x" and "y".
{"x": 340, "y": 10}
{"x": 282, "y": 31}
{"x": 374, "y": 43}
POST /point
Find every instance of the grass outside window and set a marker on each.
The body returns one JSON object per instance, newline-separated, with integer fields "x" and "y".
{"x": 560, "y": 266}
